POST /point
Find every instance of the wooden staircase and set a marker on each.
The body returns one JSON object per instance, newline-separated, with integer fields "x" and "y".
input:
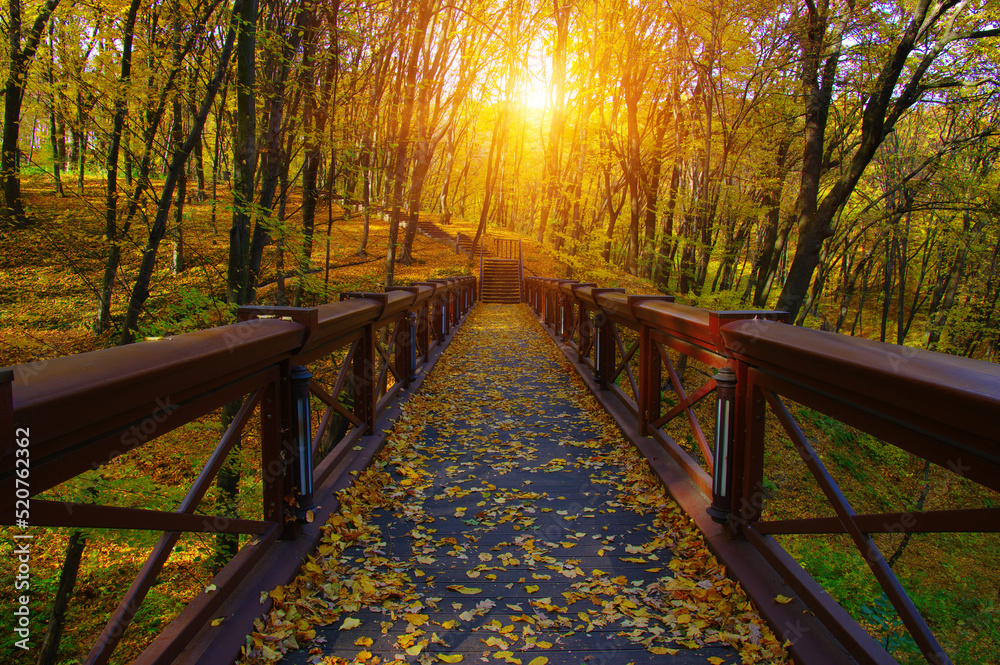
{"x": 501, "y": 281}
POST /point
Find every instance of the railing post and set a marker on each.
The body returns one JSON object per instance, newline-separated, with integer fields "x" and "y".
{"x": 6, "y": 404}
{"x": 275, "y": 445}
{"x": 748, "y": 451}
{"x": 604, "y": 349}
{"x": 364, "y": 378}
{"x": 648, "y": 399}
{"x": 558, "y": 313}
{"x": 725, "y": 426}
{"x": 424, "y": 328}
{"x": 301, "y": 449}
{"x": 520, "y": 271}
{"x": 439, "y": 308}
{"x": 554, "y": 307}
{"x": 586, "y": 334}
{"x": 406, "y": 343}
{"x": 567, "y": 318}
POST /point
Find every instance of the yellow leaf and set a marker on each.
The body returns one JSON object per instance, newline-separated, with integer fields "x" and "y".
{"x": 416, "y": 619}
{"x": 415, "y": 649}
{"x": 364, "y": 642}
{"x": 531, "y": 588}
{"x": 218, "y": 622}
{"x": 464, "y": 589}
{"x": 715, "y": 660}
{"x": 210, "y": 588}
{"x": 783, "y": 600}
{"x": 540, "y": 660}
{"x": 349, "y": 623}
{"x": 450, "y": 657}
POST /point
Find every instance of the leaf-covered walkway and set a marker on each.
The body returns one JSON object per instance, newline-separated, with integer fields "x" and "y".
{"x": 507, "y": 520}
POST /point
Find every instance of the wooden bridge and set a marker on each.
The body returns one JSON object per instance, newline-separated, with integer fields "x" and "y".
{"x": 490, "y": 509}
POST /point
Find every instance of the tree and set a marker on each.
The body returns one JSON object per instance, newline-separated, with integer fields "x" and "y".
{"x": 928, "y": 32}
{"x": 17, "y": 78}
{"x": 140, "y": 290}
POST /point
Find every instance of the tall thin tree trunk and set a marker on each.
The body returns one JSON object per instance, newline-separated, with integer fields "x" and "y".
{"x": 140, "y": 291}
{"x": 48, "y": 652}
{"x": 111, "y": 234}
{"x": 53, "y": 125}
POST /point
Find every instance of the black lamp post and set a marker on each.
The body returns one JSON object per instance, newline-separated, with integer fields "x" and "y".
{"x": 302, "y": 439}
{"x": 725, "y": 420}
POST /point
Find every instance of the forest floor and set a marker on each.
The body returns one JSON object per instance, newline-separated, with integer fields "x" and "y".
{"x": 49, "y": 274}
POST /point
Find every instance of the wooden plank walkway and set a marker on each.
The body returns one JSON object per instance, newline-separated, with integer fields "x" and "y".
{"x": 507, "y": 520}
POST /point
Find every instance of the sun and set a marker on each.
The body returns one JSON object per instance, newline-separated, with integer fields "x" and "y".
{"x": 534, "y": 86}
{"x": 535, "y": 94}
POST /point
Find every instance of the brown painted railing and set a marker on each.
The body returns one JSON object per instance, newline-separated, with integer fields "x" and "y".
{"x": 70, "y": 415}
{"x": 508, "y": 249}
{"x": 937, "y": 407}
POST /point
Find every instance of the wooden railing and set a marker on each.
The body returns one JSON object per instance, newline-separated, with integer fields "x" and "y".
{"x": 69, "y": 415}
{"x": 937, "y": 407}
{"x": 508, "y": 248}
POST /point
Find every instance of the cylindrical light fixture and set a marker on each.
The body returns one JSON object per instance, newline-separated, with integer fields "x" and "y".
{"x": 725, "y": 420}
{"x": 411, "y": 319}
{"x": 302, "y": 438}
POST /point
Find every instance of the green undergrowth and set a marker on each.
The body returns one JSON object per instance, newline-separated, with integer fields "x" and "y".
{"x": 952, "y": 578}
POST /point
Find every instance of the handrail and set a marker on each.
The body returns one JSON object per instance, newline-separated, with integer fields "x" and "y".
{"x": 112, "y": 401}
{"x": 938, "y": 407}
{"x": 520, "y": 270}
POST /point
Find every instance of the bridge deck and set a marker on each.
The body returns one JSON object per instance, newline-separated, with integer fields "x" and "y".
{"x": 507, "y": 520}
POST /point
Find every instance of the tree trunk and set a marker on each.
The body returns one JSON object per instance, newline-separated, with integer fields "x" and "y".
{"x": 550, "y": 177}
{"x": 48, "y": 652}
{"x": 140, "y": 291}
{"x": 111, "y": 236}
{"x": 17, "y": 77}
{"x": 424, "y": 12}
{"x": 954, "y": 281}
{"x": 244, "y": 156}
{"x": 883, "y": 108}
{"x": 53, "y": 125}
